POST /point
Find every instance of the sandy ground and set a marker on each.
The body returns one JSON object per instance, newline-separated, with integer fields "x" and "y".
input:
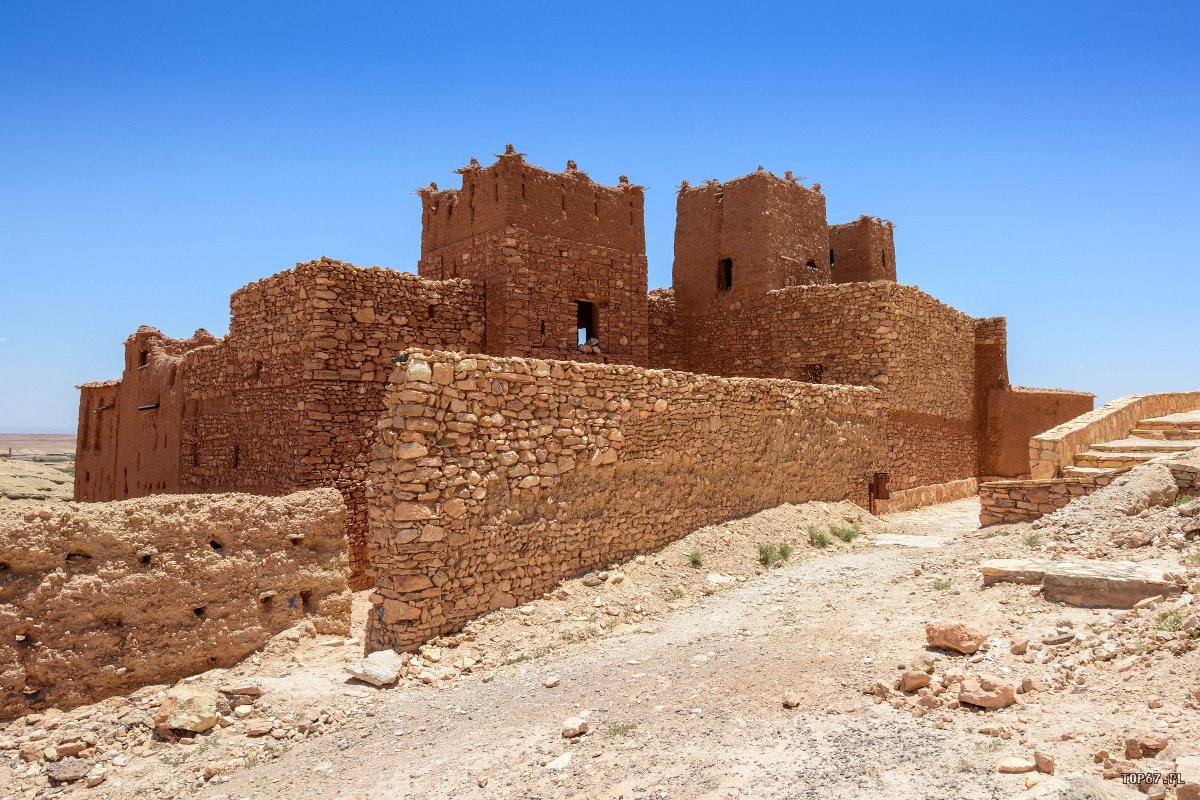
{"x": 38, "y": 444}
{"x": 682, "y": 687}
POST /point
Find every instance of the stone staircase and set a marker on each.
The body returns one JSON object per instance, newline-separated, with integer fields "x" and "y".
{"x": 1151, "y": 438}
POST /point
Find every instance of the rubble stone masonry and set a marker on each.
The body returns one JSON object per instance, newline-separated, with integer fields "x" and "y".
{"x": 99, "y": 599}
{"x": 495, "y": 478}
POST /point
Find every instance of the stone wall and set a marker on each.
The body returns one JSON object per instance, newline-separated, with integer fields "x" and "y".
{"x": 286, "y": 401}
{"x": 1049, "y": 452}
{"x": 495, "y": 478}
{"x": 101, "y": 598}
{"x": 1026, "y": 500}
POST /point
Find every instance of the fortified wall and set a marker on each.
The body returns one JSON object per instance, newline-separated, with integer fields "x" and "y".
{"x": 495, "y": 478}
{"x": 523, "y": 262}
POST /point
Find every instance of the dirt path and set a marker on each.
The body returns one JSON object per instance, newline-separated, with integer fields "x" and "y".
{"x": 690, "y": 710}
{"x": 681, "y": 685}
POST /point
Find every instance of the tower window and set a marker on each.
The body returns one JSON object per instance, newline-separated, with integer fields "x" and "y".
{"x": 725, "y": 274}
{"x": 585, "y": 320}
{"x": 143, "y": 358}
{"x": 883, "y": 258}
{"x": 832, "y": 260}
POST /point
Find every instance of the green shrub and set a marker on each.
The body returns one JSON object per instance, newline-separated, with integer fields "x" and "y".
{"x": 818, "y": 537}
{"x": 695, "y": 558}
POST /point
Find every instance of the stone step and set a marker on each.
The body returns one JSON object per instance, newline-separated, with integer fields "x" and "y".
{"x": 1097, "y": 458}
{"x": 1184, "y": 419}
{"x": 1085, "y": 472}
{"x": 1087, "y": 584}
{"x": 1167, "y": 434}
{"x": 1135, "y": 445}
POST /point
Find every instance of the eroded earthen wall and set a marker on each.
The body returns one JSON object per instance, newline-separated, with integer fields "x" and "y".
{"x": 495, "y": 478}
{"x": 99, "y": 599}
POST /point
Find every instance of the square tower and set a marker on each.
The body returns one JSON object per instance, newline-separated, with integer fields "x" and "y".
{"x": 862, "y": 250}
{"x": 745, "y": 237}
{"x": 562, "y": 258}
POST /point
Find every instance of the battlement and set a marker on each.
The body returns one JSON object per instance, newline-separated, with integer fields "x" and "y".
{"x": 862, "y": 250}
{"x": 511, "y": 192}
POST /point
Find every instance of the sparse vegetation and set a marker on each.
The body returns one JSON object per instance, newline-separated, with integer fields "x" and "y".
{"x": 942, "y": 584}
{"x": 695, "y": 557}
{"x": 1032, "y": 539}
{"x": 771, "y": 554}
{"x": 527, "y": 655}
{"x": 675, "y": 594}
{"x": 845, "y": 534}
{"x": 1182, "y": 498}
{"x": 1170, "y": 621}
{"x": 1192, "y": 559}
{"x": 818, "y": 537}
{"x": 620, "y": 729}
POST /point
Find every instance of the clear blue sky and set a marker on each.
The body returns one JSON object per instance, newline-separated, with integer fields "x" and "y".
{"x": 1039, "y": 159}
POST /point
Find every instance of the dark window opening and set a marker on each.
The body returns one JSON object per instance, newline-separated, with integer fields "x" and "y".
{"x": 883, "y": 258}
{"x": 237, "y": 455}
{"x": 810, "y": 264}
{"x": 215, "y": 545}
{"x": 258, "y": 369}
{"x": 195, "y": 454}
{"x": 143, "y": 358}
{"x": 832, "y": 260}
{"x": 77, "y": 556}
{"x": 585, "y": 321}
{"x": 199, "y": 611}
{"x": 725, "y": 274}
{"x": 543, "y": 329}
{"x": 814, "y": 373}
{"x": 563, "y": 200}
{"x": 307, "y": 604}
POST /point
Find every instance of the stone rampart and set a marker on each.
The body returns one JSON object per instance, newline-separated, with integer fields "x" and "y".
{"x": 495, "y": 478}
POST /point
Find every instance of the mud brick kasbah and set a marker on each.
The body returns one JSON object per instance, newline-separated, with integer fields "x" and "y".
{"x": 522, "y": 407}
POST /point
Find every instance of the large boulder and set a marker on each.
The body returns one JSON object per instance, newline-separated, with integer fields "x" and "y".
{"x": 381, "y": 668}
{"x": 187, "y": 708}
{"x": 987, "y": 691}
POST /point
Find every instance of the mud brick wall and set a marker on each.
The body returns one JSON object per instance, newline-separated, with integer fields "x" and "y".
{"x": 495, "y": 478}
{"x": 1014, "y": 416}
{"x": 862, "y": 250}
{"x": 129, "y": 432}
{"x": 533, "y": 281}
{"x": 1026, "y": 500}
{"x": 772, "y": 229}
{"x": 99, "y": 599}
{"x": 568, "y": 205}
